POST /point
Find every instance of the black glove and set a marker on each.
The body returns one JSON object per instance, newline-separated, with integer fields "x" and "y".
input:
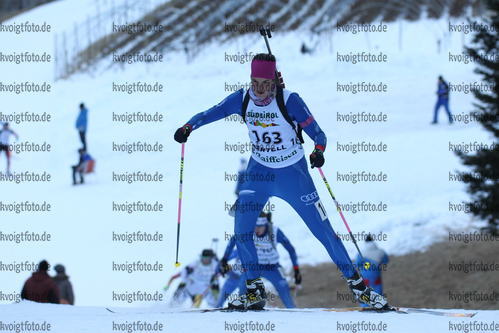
{"x": 224, "y": 267}
{"x": 214, "y": 282}
{"x": 317, "y": 158}
{"x": 182, "y": 133}
{"x": 181, "y": 286}
{"x": 297, "y": 276}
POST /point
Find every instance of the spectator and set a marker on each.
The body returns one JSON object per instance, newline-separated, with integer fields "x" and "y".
{"x": 81, "y": 125}
{"x": 40, "y": 287}
{"x": 81, "y": 166}
{"x": 443, "y": 99}
{"x": 4, "y": 142}
{"x": 304, "y": 49}
{"x": 64, "y": 286}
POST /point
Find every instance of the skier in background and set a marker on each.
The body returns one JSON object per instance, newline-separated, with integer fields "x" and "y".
{"x": 377, "y": 259}
{"x": 199, "y": 281}
{"x": 81, "y": 125}
{"x": 443, "y": 99}
{"x": 266, "y": 240}
{"x": 273, "y": 114}
{"x": 4, "y": 142}
{"x": 233, "y": 273}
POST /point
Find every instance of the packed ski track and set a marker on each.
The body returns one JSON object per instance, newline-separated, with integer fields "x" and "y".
{"x": 98, "y": 319}
{"x": 422, "y": 202}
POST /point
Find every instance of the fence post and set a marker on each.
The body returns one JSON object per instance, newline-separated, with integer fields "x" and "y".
{"x": 56, "y": 63}
{"x": 64, "y": 47}
{"x": 77, "y": 55}
{"x": 89, "y": 31}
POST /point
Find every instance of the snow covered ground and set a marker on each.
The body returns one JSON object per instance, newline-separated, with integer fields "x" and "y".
{"x": 81, "y": 222}
{"x": 97, "y": 319}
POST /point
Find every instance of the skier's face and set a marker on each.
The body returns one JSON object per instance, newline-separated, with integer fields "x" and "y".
{"x": 205, "y": 260}
{"x": 260, "y": 230}
{"x": 261, "y": 87}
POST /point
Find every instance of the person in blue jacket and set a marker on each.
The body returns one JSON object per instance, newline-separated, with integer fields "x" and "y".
{"x": 443, "y": 99}
{"x": 81, "y": 125}
{"x": 377, "y": 260}
{"x": 272, "y": 114}
{"x": 266, "y": 238}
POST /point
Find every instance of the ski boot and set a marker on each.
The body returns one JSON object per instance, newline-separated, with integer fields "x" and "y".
{"x": 364, "y": 294}
{"x": 253, "y": 299}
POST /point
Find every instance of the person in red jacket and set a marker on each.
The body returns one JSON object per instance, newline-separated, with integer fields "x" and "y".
{"x": 40, "y": 287}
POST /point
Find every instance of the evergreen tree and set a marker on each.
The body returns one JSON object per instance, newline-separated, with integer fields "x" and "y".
{"x": 483, "y": 181}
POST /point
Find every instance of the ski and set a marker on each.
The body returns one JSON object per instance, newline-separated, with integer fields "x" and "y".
{"x": 438, "y": 313}
{"x": 227, "y": 309}
{"x": 405, "y": 311}
{"x": 394, "y": 309}
{"x": 372, "y": 310}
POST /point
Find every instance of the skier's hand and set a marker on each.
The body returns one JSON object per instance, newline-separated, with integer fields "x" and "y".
{"x": 181, "y": 286}
{"x": 183, "y": 133}
{"x": 317, "y": 158}
{"x": 224, "y": 267}
{"x": 297, "y": 276}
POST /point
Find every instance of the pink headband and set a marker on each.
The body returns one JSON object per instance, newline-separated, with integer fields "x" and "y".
{"x": 262, "y": 68}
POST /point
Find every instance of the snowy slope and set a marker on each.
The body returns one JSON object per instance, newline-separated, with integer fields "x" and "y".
{"x": 417, "y": 161}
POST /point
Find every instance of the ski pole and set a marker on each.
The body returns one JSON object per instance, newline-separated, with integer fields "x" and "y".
{"x": 214, "y": 246}
{"x": 295, "y": 293}
{"x": 366, "y": 264}
{"x": 199, "y": 297}
{"x": 170, "y": 282}
{"x": 180, "y": 201}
